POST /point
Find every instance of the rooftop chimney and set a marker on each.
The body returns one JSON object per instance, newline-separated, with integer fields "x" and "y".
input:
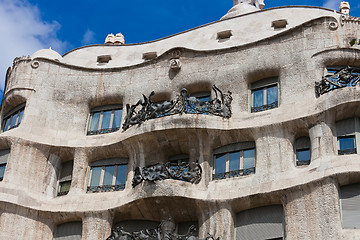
{"x": 344, "y": 8}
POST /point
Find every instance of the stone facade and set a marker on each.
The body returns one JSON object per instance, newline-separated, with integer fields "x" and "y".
{"x": 60, "y": 94}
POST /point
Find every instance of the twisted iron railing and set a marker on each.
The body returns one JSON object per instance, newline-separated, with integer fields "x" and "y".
{"x": 146, "y": 109}
{"x": 188, "y": 172}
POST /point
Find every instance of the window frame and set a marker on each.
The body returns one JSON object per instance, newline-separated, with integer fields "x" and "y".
{"x": 347, "y": 128}
{"x": 64, "y": 180}
{"x": 4, "y": 158}
{"x": 101, "y": 110}
{"x": 227, "y": 150}
{"x": 111, "y": 162}
{"x": 264, "y": 85}
{"x": 13, "y": 112}
{"x": 298, "y": 149}
{"x": 347, "y": 150}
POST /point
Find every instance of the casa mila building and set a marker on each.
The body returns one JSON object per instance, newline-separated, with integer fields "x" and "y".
{"x": 244, "y": 128}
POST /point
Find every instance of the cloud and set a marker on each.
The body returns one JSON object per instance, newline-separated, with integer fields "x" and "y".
{"x": 88, "y": 38}
{"x": 23, "y": 32}
{"x": 332, "y": 4}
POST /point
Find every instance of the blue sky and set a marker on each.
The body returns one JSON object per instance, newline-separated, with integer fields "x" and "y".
{"x": 29, "y": 25}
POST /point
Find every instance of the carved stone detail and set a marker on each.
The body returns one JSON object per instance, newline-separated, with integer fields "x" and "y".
{"x": 166, "y": 230}
{"x": 188, "y": 172}
{"x": 35, "y": 64}
{"x": 334, "y": 25}
{"x": 175, "y": 64}
{"x": 146, "y": 109}
{"x": 345, "y": 77}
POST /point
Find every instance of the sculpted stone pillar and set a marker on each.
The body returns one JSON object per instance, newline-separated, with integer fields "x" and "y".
{"x": 78, "y": 183}
{"x": 216, "y": 219}
{"x": 316, "y": 203}
{"x": 97, "y": 225}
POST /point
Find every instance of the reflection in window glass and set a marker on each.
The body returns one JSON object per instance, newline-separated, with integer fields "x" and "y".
{"x": 234, "y": 161}
{"x": 271, "y": 95}
{"x": 220, "y": 163}
{"x": 2, "y": 171}
{"x": 121, "y": 174}
{"x": 13, "y": 119}
{"x": 249, "y": 158}
{"x": 303, "y": 155}
{"x": 258, "y": 98}
{"x": 347, "y": 142}
{"x": 108, "y": 175}
{"x": 95, "y": 121}
{"x": 95, "y": 176}
{"x": 105, "y": 121}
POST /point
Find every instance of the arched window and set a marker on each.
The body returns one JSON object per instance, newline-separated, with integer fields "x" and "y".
{"x": 234, "y": 160}
{"x": 104, "y": 119}
{"x": 107, "y": 175}
{"x": 260, "y": 223}
{"x": 302, "y": 151}
{"x": 13, "y": 118}
{"x": 68, "y": 231}
{"x": 264, "y": 94}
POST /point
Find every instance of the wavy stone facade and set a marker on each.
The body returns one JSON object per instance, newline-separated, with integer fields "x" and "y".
{"x": 61, "y": 94}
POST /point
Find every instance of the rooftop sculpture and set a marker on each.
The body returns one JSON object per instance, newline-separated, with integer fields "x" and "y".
{"x": 244, "y": 6}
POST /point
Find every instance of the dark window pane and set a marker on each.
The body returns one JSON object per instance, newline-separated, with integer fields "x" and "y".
{"x": 220, "y": 163}
{"x": 2, "y": 171}
{"x": 234, "y": 161}
{"x": 271, "y": 94}
{"x": 347, "y": 142}
{"x": 95, "y": 176}
{"x": 117, "y": 118}
{"x": 7, "y": 123}
{"x": 303, "y": 155}
{"x": 121, "y": 174}
{"x": 258, "y": 98}
{"x": 249, "y": 158}
{"x": 21, "y": 115}
{"x": 106, "y": 120}
{"x": 95, "y": 121}
{"x": 13, "y": 120}
{"x": 64, "y": 187}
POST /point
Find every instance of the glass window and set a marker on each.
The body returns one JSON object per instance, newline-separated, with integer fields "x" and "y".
{"x": 108, "y": 176}
{"x": 234, "y": 163}
{"x": 2, "y": 171}
{"x": 105, "y": 120}
{"x": 302, "y": 151}
{"x": 346, "y": 145}
{"x": 68, "y": 231}
{"x": 65, "y": 178}
{"x": 4, "y": 156}
{"x": 14, "y": 118}
{"x": 264, "y": 98}
{"x": 198, "y": 103}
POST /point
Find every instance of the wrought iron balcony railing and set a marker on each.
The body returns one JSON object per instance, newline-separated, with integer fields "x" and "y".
{"x": 105, "y": 188}
{"x": 264, "y": 107}
{"x": 303, "y": 163}
{"x": 146, "y": 109}
{"x": 236, "y": 173}
{"x": 347, "y": 151}
{"x": 188, "y": 172}
{"x": 102, "y": 131}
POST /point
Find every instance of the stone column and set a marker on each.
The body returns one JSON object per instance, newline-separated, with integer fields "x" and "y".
{"x": 96, "y": 225}
{"x": 80, "y": 169}
{"x": 322, "y": 140}
{"x": 312, "y": 211}
{"x": 216, "y": 218}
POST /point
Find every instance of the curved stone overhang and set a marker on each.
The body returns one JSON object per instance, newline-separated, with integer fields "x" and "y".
{"x": 246, "y": 29}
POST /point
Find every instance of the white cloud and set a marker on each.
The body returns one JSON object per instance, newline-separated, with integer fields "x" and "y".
{"x": 88, "y": 38}
{"x": 332, "y": 4}
{"x": 23, "y": 32}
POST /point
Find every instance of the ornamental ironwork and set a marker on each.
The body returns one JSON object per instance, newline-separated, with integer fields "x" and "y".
{"x": 165, "y": 231}
{"x": 146, "y": 109}
{"x": 345, "y": 77}
{"x": 188, "y": 172}
{"x": 106, "y": 188}
{"x": 265, "y": 107}
{"x": 235, "y": 173}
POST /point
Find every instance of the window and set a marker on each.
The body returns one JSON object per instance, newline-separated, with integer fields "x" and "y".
{"x": 347, "y": 134}
{"x": 13, "y": 118}
{"x": 4, "y": 156}
{"x": 65, "y": 178}
{"x": 350, "y": 206}
{"x": 264, "y": 95}
{"x": 234, "y": 160}
{"x": 107, "y": 175}
{"x": 263, "y": 223}
{"x": 105, "y": 120}
{"x": 198, "y": 103}
{"x": 302, "y": 151}
{"x": 68, "y": 231}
